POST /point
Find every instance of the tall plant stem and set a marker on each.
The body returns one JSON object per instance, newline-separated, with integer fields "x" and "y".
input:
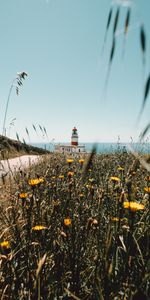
{"x": 6, "y": 109}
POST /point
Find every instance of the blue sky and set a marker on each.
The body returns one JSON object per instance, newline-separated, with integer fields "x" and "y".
{"x": 59, "y": 44}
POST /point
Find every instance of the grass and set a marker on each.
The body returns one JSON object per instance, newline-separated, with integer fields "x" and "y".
{"x": 68, "y": 234}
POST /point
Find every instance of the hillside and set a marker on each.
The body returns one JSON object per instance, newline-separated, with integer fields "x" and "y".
{"x": 11, "y": 148}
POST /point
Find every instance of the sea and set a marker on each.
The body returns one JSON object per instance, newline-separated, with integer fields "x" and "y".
{"x": 104, "y": 147}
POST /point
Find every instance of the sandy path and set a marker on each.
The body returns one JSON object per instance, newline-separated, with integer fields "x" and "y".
{"x": 14, "y": 164}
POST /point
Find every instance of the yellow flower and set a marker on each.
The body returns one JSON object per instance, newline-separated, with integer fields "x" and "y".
{"x": 147, "y": 178}
{"x": 39, "y": 227}
{"x": 113, "y": 178}
{"x": 41, "y": 180}
{"x": 70, "y": 160}
{"x": 70, "y": 173}
{"x": 133, "y": 206}
{"x": 81, "y": 195}
{"x": 61, "y": 176}
{"x": 116, "y": 219}
{"x": 5, "y": 245}
{"x": 120, "y": 169}
{"x": 81, "y": 161}
{"x": 23, "y": 195}
{"x": 67, "y": 222}
{"x": 147, "y": 189}
{"x": 36, "y": 181}
{"x": 91, "y": 179}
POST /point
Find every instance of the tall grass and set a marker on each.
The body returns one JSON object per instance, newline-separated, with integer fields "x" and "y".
{"x": 69, "y": 236}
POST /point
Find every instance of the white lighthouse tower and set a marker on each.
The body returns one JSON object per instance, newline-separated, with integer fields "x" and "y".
{"x": 74, "y": 137}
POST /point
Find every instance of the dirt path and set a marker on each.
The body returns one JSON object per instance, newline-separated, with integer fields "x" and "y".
{"x": 14, "y": 164}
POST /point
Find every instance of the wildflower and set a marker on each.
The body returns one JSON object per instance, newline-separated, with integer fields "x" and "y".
{"x": 116, "y": 219}
{"x": 147, "y": 178}
{"x": 81, "y": 161}
{"x": 81, "y": 195}
{"x": 23, "y": 195}
{"x": 67, "y": 222}
{"x": 70, "y": 173}
{"x": 61, "y": 176}
{"x": 120, "y": 169}
{"x": 70, "y": 160}
{"x": 91, "y": 179}
{"x": 114, "y": 179}
{"x": 147, "y": 189}
{"x": 39, "y": 227}
{"x": 133, "y": 206}
{"x": 36, "y": 181}
{"x": 5, "y": 247}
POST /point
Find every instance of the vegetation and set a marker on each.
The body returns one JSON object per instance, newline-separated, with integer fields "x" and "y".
{"x": 77, "y": 228}
{"x": 11, "y": 148}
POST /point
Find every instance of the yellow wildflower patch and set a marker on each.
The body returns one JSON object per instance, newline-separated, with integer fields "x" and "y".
{"x": 147, "y": 178}
{"x": 61, "y": 176}
{"x": 116, "y": 219}
{"x": 147, "y": 189}
{"x": 91, "y": 179}
{"x": 133, "y": 206}
{"x": 120, "y": 169}
{"x": 81, "y": 161}
{"x": 67, "y": 222}
{"x": 36, "y": 181}
{"x": 23, "y": 195}
{"x": 70, "y": 160}
{"x": 70, "y": 173}
{"x": 114, "y": 178}
{"x": 5, "y": 245}
{"x": 81, "y": 195}
{"x": 39, "y": 227}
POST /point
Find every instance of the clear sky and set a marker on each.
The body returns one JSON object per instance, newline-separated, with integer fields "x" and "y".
{"x": 59, "y": 44}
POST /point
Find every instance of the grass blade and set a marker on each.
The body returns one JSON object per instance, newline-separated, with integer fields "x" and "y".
{"x": 116, "y": 21}
{"x": 144, "y": 132}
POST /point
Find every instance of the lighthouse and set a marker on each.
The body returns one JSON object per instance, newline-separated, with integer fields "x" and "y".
{"x": 74, "y": 137}
{"x": 73, "y": 147}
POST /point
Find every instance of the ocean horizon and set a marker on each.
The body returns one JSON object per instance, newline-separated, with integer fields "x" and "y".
{"x": 103, "y": 147}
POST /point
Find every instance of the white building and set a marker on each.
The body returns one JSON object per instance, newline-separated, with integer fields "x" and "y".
{"x": 73, "y": 147}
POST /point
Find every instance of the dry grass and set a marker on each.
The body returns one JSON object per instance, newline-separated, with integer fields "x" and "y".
{"x": 101, "y": 252}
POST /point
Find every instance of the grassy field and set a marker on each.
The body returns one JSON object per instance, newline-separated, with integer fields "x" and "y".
{"x": 76, "y": 228}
